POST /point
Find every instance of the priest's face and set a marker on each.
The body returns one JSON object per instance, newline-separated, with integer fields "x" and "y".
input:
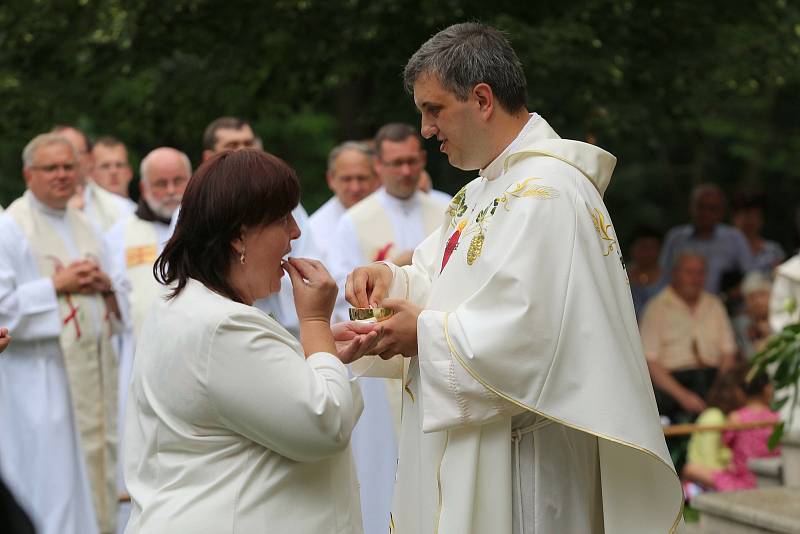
{"x": 456, "y": 124}
{"x": 167, "y": 177}
{"x": 352, "y": 178}
{"x": 399, "y": 165}
{"x": 232, "y": 139}
{"x": 265, "y": 246}
{"x": 111, "y": 169}
{"x": 53, "y": 176}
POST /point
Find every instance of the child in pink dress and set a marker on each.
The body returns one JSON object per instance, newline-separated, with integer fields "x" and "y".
{"x": 744, "y": 444}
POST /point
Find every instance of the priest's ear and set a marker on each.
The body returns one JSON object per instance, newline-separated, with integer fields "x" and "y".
{"x": 484, "y": 97}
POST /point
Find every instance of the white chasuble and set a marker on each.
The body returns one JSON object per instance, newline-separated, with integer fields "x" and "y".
{"x": 529, "y": 407}
{"x": 103, "y": 208}
{"x": 375, "y": 229}
{"x": 85, "y": 342}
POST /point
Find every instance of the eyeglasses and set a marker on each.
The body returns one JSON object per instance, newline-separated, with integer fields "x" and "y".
{"x": 398, "y": 163}
{"x": 68, "y": 167}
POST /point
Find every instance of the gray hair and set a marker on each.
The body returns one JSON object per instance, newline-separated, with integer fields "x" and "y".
{"x": 702, "y": 189}
{"x": 358, "y": 146}
{"x": 43, "y": 140}
{"x": 686, "y": 254}
{"x": 143, "y": 177}
{"x": 464, "y": 55}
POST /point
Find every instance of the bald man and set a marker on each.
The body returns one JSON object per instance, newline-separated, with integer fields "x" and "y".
{"x": 139, "y": 239}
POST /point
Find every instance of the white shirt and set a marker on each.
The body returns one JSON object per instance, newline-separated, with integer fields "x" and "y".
{"x": 230, "y": 429}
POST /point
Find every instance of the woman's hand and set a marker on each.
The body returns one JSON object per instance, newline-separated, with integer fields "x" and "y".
{"x": 314, "y": 289}
{"x": 355, "y": 339}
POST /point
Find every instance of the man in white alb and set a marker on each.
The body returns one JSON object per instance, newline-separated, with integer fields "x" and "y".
{"x": 58, "y": 382}
{"x": 351, "y": 176}
{"x": 527, "y": 405}
{"x": 101, "y": 207}
{"x": 388, "y": 224}
{"x": 111, "y": 170}
{"x": 232, "y": 133}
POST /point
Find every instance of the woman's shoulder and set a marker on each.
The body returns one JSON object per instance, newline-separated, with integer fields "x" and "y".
{"x": 209, "y": 307}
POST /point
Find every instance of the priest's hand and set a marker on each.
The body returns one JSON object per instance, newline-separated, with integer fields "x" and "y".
{"x": 5, "y": 339}
{"x": 366, "y": 286}
{"x": 355, "y": 339}
{"x": 77, "y": 277}
{"x": 399, "y": 330}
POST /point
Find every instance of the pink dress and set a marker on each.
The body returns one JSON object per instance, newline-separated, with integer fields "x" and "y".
{"x": 745, "y": 444}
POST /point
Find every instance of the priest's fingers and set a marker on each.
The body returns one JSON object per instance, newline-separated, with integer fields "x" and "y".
{"x": 356, "y": 288}
{"x": 381, "y": 279}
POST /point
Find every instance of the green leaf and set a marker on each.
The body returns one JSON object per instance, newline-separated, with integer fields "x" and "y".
{"x": 780, "y": 403}
{"x": 775, "y": 437}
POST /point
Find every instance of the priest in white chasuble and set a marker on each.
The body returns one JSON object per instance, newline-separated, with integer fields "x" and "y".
{"x": 58, "y": 381}
{"x": 528, "y": 405}
{"x": 102, "y": 208}
{"x": 388, "y": 224}
{"x": 351, "y": 176}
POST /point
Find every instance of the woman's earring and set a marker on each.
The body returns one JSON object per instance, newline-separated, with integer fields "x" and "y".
{"x": 241, "y": 257}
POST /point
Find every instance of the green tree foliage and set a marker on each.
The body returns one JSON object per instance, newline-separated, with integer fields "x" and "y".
{"x": 682, "y": 92}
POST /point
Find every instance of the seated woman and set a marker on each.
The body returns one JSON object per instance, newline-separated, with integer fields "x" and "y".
{"x": 233, "y": 426}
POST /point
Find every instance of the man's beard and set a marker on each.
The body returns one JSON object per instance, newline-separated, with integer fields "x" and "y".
{"x": 164, "y": 208}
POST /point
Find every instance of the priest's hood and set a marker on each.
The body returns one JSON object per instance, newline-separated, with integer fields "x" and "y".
{"x": 593, "y": 162}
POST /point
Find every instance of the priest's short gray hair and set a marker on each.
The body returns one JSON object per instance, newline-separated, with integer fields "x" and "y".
{"x": 42, "y": 140}
{"x": 357, "y": 146}
{"x": 145, "y": 164}
{"x": 464, "y": 55}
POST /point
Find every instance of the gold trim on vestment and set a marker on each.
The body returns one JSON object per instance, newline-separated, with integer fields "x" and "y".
{"x": 439, "y": 482}
{"x": 454, "y": 353}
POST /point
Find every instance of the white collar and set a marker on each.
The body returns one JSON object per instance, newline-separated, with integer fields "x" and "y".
{"x": 495, "y": 168}
{"x": 40, "y": 206}
{"x": 403, "y": 204}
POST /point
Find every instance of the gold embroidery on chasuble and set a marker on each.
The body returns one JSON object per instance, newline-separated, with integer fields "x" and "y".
{"x": 140, "y": 255}
{"x": 466, "y": 227}
{"x": 607, "y": 236}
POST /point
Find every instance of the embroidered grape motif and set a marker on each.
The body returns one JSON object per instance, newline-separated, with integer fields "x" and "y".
{"x": 475, "y": 247}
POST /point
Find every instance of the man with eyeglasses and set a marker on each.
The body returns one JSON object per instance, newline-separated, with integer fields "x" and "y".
{"x": 58, "y": 381}
{"x": 111, "y": 169}
{"x": 102, "y": 208}
{"x": 387, "y": 225}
